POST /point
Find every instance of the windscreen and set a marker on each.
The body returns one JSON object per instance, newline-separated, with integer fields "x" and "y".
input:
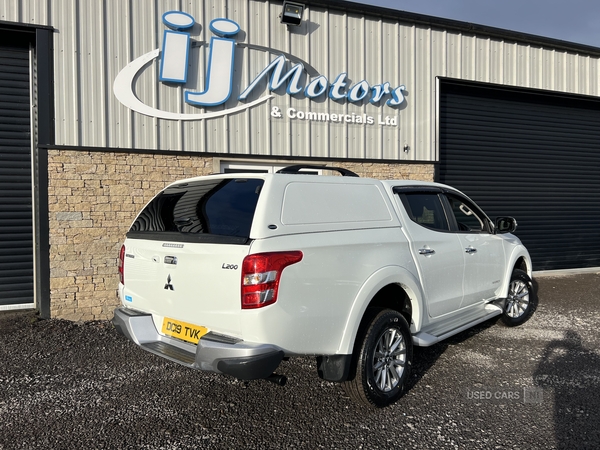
{"x": 209, "y": 207}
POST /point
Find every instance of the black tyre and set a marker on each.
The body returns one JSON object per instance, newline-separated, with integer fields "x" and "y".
{"x": 382, "y": 360}
{"x": 521, "y": 301}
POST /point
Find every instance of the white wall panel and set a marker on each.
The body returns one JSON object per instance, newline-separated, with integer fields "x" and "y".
{"x": 169, "y": 132}
{"x": 194, "y": 132}
{"x": 468, "y": 56}
{"x": 406, "y": 73}
{"x": 298, "y": 45}
{"x": 483, "y": 59}
{"x": 396, "y": 69}
{"x": 584, "y": 82}
{"x": 593, "y": 77}
{"x": 371, "y": 140}
{"x": 560, "y": 69}
{"x": 93, "y": 85}
{"x": 522, "y": 66}
{"x": 259, "y": 123}
{"x": 572, "y": 69}
{"x": 496, "y": 62}
{"x": 318, "y": 22}
{"x": 338, "y": 63}
{"x": 118, "y": 55}
{"x": 67, "y": 76}
{"x": 356, "y": 67}
{"x": 439, "y": 65}
{"x": 454, "y": 55}
{"x": 423, "y": 96}
{"x": 535, "y": 65}
{"x": 9, "y": 11}
{"x": 239, "y": 132}
{"x": 95, "y": 40}
{"x": 548, "y": 73}
{"x": 25, "y": 11}
{"x": 509, "y": 64}
{"x": 144, "y": 38}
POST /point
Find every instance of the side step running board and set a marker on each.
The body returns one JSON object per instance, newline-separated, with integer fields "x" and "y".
{"x": 423, "y": 339}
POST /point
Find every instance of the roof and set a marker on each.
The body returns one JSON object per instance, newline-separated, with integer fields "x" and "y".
{"x": 456, "y": 25}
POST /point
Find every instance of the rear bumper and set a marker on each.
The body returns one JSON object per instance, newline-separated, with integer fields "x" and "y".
{"x": 214, "y": 353}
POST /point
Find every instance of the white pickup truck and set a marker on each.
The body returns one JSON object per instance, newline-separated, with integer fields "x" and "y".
{"x": 232, "y": 273}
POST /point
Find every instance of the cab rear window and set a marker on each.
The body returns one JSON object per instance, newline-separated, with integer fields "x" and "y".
{"x": 209, "y": 207}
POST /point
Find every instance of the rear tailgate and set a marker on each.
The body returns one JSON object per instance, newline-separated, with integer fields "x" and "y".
{"x": 190, "y": 282}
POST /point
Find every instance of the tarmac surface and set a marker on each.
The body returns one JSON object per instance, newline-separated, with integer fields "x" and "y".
{"x": 67, "y": 385}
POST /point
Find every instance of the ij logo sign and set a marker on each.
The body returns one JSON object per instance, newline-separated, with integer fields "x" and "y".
{"x": 220, "y": 79}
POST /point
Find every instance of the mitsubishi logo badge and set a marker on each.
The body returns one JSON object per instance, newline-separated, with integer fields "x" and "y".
{"x": 169, "y": 286}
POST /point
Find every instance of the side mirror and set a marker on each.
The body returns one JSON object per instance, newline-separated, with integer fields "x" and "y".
{"x": 505, "y": 225}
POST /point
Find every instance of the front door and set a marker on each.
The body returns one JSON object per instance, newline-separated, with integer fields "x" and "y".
{"x": 483, "y": 250}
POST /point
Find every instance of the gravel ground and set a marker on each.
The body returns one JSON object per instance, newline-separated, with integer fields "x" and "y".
{"x": 71, "y": 385}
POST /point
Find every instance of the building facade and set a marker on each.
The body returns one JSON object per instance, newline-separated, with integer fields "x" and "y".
{"x": 104, "y": 103}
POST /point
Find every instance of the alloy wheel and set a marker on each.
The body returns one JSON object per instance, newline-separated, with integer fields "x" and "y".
{"x": 389, "y": 359}
{"x": 518, "y": 299}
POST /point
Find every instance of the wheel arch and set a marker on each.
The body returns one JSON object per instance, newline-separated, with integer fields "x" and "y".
{"x": 523, "y": 264}
{"x": 392, "y": 287}
{"x": 519, "y": 259}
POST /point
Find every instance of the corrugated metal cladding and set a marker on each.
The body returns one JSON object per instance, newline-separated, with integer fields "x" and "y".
{"x": 16, "y": 223}
{"x": 94, "y": 40}
{"x": 532, "y": 156}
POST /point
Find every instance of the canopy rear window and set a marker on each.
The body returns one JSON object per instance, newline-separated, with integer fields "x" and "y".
{"x": 209, "y": 207}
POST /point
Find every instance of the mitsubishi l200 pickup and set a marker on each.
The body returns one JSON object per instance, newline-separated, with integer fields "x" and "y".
{"x": 232, "y": 273}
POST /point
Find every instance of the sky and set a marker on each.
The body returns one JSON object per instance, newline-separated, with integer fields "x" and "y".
{"x": 568, "y": 20}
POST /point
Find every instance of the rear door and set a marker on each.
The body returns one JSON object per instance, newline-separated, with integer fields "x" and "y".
{"x": 436, "y": 250}
{"x": 184, "y": 252}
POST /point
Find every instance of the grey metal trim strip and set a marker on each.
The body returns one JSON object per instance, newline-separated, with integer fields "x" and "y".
{"x": 228, "y": 156}
{"x": 45, "y": 133}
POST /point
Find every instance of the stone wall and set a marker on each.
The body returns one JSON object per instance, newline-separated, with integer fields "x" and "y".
{"x": 94, "y": 196}
{"x": 421, "y": 172}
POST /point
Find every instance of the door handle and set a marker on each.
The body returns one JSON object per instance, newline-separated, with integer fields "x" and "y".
{"x": 470, "y": 250}
{"x": 426, "y": 251}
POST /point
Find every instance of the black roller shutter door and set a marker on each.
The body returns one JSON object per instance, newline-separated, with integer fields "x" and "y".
{"x": 16, "y": 226}
{"x": 532, "y": 155}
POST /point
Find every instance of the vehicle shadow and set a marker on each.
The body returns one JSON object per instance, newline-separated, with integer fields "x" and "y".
{"x": 571, "y": 373}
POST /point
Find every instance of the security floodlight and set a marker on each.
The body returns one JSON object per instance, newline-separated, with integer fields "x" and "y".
{"x": 292, "y": 13}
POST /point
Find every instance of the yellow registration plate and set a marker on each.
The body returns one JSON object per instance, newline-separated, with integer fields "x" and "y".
{"x": 183, "y": 330}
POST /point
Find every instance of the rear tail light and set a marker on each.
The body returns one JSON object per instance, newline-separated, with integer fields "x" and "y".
{"x": 261, "y": 274}
{"x": 122, "y": 265}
